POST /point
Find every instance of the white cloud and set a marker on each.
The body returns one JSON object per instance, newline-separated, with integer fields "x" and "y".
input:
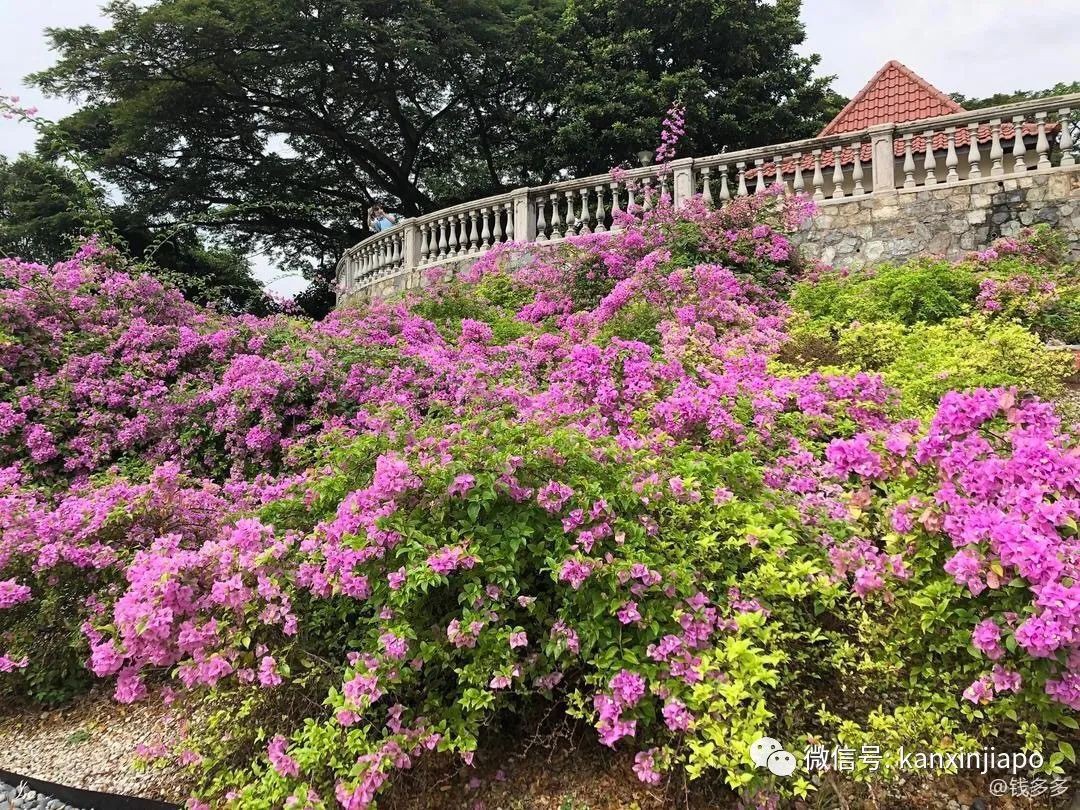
{"x": 974, "y": 47}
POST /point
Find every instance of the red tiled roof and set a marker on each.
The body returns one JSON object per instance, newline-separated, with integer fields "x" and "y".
{"x": 895, "y": 94}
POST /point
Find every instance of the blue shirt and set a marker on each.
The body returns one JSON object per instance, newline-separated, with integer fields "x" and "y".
{"x": 383, "y": 223}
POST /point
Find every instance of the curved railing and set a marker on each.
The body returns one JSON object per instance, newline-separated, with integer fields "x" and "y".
{"x": 887, "y": 158}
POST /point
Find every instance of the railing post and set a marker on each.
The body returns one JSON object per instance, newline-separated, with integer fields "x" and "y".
{"x": 883, "y": 160}
{"x": 524, "y": 224}
{"x": 683, "y": 171}
{"x": 411, "y": 237}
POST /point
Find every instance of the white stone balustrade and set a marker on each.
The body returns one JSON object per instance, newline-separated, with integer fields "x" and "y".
{"x": 884, "y": 159}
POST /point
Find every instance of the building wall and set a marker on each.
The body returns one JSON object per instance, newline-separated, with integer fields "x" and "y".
{"x": 944, "y": 220}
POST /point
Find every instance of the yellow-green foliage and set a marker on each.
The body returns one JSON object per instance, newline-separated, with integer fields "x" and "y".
{"x": 925, "y": 361}
{"x": 929, "y": 290}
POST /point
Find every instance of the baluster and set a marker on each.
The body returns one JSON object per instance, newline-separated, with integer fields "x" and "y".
{"x": 997, "y": 154}
{"x": 706, "y": 190}
{"x": 819, "y": 178}
{"x": 647, "y": 194}
{"x": 929, "y": 160}
{"x": 837, "y": 173}
{"x": 443, "y": 238}
{"x": 759, "y": 176}
{"x": 1042, "y": 145}
{"x": 615, "y": 209}
{"x": 571, "y": 215}
{"x": 499, "y": 211}
{"x": 1019, "y": 147}
{"x": 541, "y": 220}
{"x": 432, "y": 242}
{"x": 974, "y": 158}
{"x": 951, "y": 175}
{"x": 856, "y": 170}
{"x": 1065, "y": 140}
{"x": 423, "y": 242}
{"x": 557, "y": 231}
{"x": 725, "y": 192}
{"x": 778, "y": 162}
{"x": 485, "y": 236}
{"x": 474, "y": 233}
{"x": 909, "y": 162}
{"x": 508, "y": 209}
{"x": 742, "y": 191}
{"x": 586, "y": 212}
{"x": 798, "y": 184}
{"x": 601, "y": 214}
{"x": 395, "y": 250}
{"x": 630, "y": 198}
{"x": 457, "y": 235}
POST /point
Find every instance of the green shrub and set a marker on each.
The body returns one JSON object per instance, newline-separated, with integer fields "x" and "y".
{"x": 925, "y": 361}
{"x": 922, "y": 290}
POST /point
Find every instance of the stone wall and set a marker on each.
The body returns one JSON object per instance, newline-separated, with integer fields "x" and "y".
{"x": 942, "y": 220}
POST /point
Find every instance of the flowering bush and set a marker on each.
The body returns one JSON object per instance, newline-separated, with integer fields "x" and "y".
{"x": 577, "y": 474}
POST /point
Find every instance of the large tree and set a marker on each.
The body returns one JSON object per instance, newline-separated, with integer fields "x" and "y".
{"x": 732, "y": 63}
{"x": 285, "y": 119}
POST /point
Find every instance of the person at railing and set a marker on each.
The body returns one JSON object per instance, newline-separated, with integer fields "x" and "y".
{"x": 379, "y": 220}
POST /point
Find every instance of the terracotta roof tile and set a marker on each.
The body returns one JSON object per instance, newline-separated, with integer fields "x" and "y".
{"x": 895, "y": 93}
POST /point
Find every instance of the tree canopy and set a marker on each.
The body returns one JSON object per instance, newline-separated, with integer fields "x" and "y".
{"x": 287, "y": 118}
{"x": 997, "y": 99}
{"x": 44, "y": 209}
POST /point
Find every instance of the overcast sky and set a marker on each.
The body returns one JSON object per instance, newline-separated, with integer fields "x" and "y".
{"x": 974, "y": 47}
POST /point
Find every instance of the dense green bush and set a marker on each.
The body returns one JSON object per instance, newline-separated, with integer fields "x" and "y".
{"x": 1024, "y": 279}
{"x": 925, "y": 361}
{"x": 923, "y": 290}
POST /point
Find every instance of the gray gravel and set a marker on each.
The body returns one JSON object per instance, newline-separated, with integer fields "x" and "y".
{"x": 90, "y": 745}
{"x": 22, "y": 797}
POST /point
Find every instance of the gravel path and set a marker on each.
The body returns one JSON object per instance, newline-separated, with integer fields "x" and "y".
{"x": 90, "y": 745}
